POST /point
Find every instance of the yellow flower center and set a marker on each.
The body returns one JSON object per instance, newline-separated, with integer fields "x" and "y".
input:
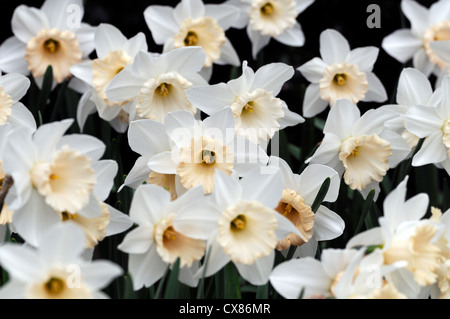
{"x": 163, "y": 89}
{"x": 54, "y": 286}
{"x": 340, "y": 79}
{"x": 267, "y": 9}
{"x": 191, "y": 39}
{"x": 208, "y": 157}
{"x": 51, "y": 45}
{"x": 238, "y": 223}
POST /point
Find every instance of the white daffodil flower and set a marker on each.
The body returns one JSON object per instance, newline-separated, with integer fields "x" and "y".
{"x": 258, "y": 113}
{"x": 274, "y": 19}
{"x": 55, "y": 269}
{"x": 52, "y": 35}
{"x": 340, "y": 73}
{"x": 299, "y": 192}
{"x": 433, "y": 124}
{"x": 55, "y": 177}
{"x": 193, "y": 23}
{"x": 427, "y": 41}
{"x": 404, "y": 236}
{"x": 414, "y": 88}
{"x": 317, "y": 279}
{"x": 360, "y": 147}
{"x": 201, "y": 148}
{"x": 240, "y": 223}
{"x": 155, "y": 243}
{"x": 158, "y": 82}
{"x": 114, "y": 53}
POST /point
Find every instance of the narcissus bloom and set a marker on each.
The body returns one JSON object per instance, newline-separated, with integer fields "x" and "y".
{"x": 114, "y": 53}
{"x": 433, "y": 124}
{"x": 340, "y": 73}
{"x": 240, "y": 223}
{"x": 359, "y": 147}
{"x": 52, "y": 35}
{"x": 258, "y": 113}
{"x": 53, "y": 175}
{"x": 155, "y": 243}
{"x": 52, "y": 271}
{"x": 403, "y": 235}
{"x": 199, "y": 149}
{"x": 158, "y": 82}
{"x": 299, "y": 192}
{"x": 426, "y": 42}
{"x": 192, "y": 23}
{"x": 273, "y": 19}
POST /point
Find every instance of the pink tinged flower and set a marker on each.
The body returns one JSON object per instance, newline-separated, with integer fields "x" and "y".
{"x": 51, "y": 271}
{"x": 192, "y": 23}
{"x": 44, "y": 37}
{"x": 340, "y": 73}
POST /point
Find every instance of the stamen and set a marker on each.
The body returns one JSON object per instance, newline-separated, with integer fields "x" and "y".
{"x": 287, "y": 209}
{"x": 119, "y": 70}
{"x": 68, "y": 216}
{"x": 169, "y": 234}
{"x": 54, "y": 177}
{"x": 249, "y": 107}
{"x": 191, "y": 39}
{"x": 208, "y": 157}
{"x": 267, "y": 9}
{"x": 238, "y": 223}
{"x": 163, "y": 89}
{"x": 51, "y": 45}
{"x": 54, "y": 286}
{"x": 340, "y": 79}
{"x": 355, "y": 152}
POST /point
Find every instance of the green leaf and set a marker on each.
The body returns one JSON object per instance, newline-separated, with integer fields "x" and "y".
{"x": 46, "y": 88}
{"x": 321, "y": 194}
{"x": 173, "y": 282}
{"x": 129, "y": 292}
{"x": 231, "y": 278}
{"x": 201, "y": 284}
{"x": 161, "y": 283}
{"x": 366, "y": 208}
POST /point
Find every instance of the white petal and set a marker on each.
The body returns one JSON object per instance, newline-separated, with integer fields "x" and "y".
{"x": 433, "y": 150}
{"x": 108, "y": 38}
{"x": 12, "y": 56}
{"x": 313, "y": 70}
{"x": 401, "y": 45}
{"x": 364, "y": 58}
{"x": 220, "y": 125}
{"x": 417, "y": 16}
{"x": 85, "y": 36}
{"x": 138, "y": 173}
{"x": 293, "y": 36}
{"x": 148, "y": 204}
{"x": 22, "y": 263}
{"x": 422, "y": 62}
{"x": 422, "y": 120}
{"x": 15, "y": 85}
{"x": 301, "y": 5}
{"x": 217, "y": 258}
{"x": 372, "y": 122}
{"x": 87, "y": 145}
{"x": 228, "y": 54}
{"x": 148, "y": 137}
{"x": 413, "y": 88}
{"x": 244, "y": 83}
{"x": 188, "y": 9}
{"x": 312, "y": 178}
{"x": 341, "y": 118}
{"x": 327, "y": 224}
{"x": 47, "y": 137}
{"x": 333, "y": 46}
{"x": 290, "y": 179}
{"x": 105, "y": 172}
{"x": 443, "y": 108}
{"x": 138, "y": 240}
{"x": 291, "y": 277}
{"x": 227, "y": 190}
{"x": 313, "y": 103}
{"x": 21, "y": 116}
{"x": 100, "y": 273}
{"x": 367, "y": 238}
{"x": 265, "y": 188}
{"x": 135, "y": 44}
{"x": 124, "y": 86}
{"x": 336, "y": 260}
{"x": 14, "y": 289}
{"x": 327, "y": 151}
{"x": 290, "y": 118}
{"x": 83, "y": 71}
{"x": 224, "y": 14}
{"x": 57, "y": 12}
{"x": 247, "y": 156}
{"x": 257, "y": 273}
{"x": 178, "y": 123}
{"x": 184, "y": 60}
{"x": 54, "y": 243}
{"x": 161, "y": 22}
{"x": 210, "y": 98}
{"x": 146, "y": 269}
{"x": 439, "y": 11}
{"x": 163, "y": 163}
{"x": 271, "y": 77}
{"x": 118, "y": 222}
{"x": 258, "y": 40}
{"x": 377, "y": 92}
{"x": 27, "y": 22}
{"x": 286, "y": 227}
{"x": 85, "y": 108}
